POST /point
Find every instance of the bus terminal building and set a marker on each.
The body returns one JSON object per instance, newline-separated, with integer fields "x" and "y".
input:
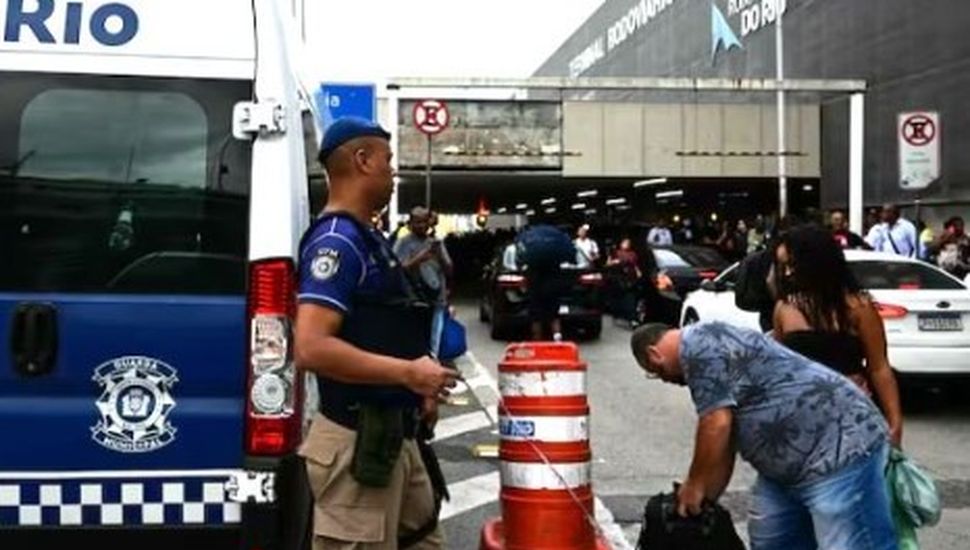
{"x": 914, "y": 57}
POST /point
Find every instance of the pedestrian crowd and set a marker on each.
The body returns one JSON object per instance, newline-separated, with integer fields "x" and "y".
{"x": 811, "y": 403}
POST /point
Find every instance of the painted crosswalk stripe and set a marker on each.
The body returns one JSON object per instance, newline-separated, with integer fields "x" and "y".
{"x": 470, "y": 494}
{"x": 463, "y": 423}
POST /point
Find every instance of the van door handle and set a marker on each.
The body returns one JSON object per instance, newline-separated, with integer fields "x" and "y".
{"x": 33, "y": 339}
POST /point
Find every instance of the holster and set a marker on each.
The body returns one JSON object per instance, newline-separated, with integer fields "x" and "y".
{"x": 380, "y": 436}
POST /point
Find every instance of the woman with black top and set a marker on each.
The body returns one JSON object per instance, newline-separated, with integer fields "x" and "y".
{"x": 823, "y": 314}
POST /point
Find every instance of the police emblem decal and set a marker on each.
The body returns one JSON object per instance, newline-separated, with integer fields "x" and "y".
{"x": 134, "y": 404}
{"x": 325, "y": 265}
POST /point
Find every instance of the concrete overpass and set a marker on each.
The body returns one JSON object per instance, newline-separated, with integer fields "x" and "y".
{"x": 608, "y": 138}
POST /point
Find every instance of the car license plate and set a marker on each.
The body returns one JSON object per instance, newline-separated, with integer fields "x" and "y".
{"x": 563, "y": 310}
{"x": 940, "y": 322}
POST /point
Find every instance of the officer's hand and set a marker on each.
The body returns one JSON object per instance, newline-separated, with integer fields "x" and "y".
{"x": 427, "y": 377}
{"x": 689, "y": 499}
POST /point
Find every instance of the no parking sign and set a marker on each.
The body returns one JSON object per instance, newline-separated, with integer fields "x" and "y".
{"x": 919, "y": 149}
{"x": 431, "y": 116}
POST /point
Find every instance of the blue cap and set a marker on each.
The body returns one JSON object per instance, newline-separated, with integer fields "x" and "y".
{"x": 347, "y": 128}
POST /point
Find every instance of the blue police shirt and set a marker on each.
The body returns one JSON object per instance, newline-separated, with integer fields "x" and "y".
{"x": 338, "y": 262}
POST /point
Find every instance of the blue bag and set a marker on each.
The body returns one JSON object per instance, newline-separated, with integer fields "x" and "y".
{"x": 545, "y": 247}
{"x": 454, "y": 342}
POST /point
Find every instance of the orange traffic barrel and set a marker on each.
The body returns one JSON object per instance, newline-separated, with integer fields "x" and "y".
{"x": 546, "y": 495}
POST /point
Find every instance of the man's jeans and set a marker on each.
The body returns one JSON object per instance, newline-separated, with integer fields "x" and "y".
{"x": 847, "y": 510}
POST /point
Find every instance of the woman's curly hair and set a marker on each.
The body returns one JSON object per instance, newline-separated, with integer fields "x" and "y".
{"x": 821, "y": 280}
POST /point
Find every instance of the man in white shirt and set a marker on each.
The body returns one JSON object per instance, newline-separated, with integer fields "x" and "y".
{"x": 894, "y": 235}
{"x": 587, "y": 251}
{"x": 659, "y": 235}
{"x": 510, "y": 257}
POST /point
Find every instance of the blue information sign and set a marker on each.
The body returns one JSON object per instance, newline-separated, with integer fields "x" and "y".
{"x": 337, "y": 100}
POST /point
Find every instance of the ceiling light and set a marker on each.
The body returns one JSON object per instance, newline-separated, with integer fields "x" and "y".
{"x": 670, "y": 194}
{"x": 579, "y": 206}
{"x": 587, "y": 194}
{"x": 616, "y": 201}
{"x": 530, "y": 212}
{"x": 590, "y": 211}
{"x": 647, "y": 183}
{"x": 551, "y": 210}
{"x": 521, "y": 206}
{"x": 550, "y": 200}
{"x": 623, "y": 207}
{"x": 807, "y": 188}
{"x": 501, "y": 210}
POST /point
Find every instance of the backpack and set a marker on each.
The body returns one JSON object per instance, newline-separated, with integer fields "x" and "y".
{"x": 664, "y": 529}
{"x": 751, "y": 287}
{"x": 545, "y": 247}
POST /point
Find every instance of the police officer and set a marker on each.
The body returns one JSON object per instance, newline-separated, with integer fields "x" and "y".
{"x": 363, "y": 331}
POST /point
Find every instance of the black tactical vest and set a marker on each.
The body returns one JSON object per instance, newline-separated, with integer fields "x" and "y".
{"x": 396, "y": 321}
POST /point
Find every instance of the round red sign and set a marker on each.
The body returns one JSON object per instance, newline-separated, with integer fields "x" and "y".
{"x": 919, "y": 130}
{"x": 431, "y": 116}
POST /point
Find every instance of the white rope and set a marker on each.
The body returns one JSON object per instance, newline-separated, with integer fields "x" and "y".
{"x": 590, "y": 518}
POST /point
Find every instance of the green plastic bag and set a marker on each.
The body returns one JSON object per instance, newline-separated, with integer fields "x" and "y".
{"x": 905, "y": 532}
{"x": 913, "y": 498}
{"x": 913, "y": 490}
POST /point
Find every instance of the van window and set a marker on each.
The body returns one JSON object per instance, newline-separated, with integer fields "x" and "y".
{"x": 122, "y": 185}
{"x": 113, "y": 137}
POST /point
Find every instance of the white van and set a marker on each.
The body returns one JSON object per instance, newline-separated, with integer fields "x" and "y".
{"x": 153, "y": 191}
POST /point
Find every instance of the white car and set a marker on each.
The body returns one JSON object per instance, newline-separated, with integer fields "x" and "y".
{"x": 926, "y": 310}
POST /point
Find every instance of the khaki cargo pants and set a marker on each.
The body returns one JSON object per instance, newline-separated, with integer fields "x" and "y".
{"x": 348, "y": 515}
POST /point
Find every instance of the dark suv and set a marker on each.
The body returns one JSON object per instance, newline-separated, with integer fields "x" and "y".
{"x": 505, "y": 298}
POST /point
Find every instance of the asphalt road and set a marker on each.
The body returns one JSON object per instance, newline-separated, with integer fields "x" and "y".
{"x": 642, "y": 436}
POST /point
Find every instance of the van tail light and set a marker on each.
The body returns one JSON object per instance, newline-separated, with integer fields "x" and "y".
{"x": 511, "y": 280}
{"x": 707, "y": 274}
{"x": 591, "y": 279}
{"x": 274, "y": 396}
{"x": 889, "y": 311}
{"x": 664, "y": 282}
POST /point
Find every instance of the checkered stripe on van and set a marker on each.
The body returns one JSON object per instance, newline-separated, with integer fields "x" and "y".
{"x": 146, "y": 502}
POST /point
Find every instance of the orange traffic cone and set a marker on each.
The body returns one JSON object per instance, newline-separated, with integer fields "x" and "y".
{"x": 547, "y": 495}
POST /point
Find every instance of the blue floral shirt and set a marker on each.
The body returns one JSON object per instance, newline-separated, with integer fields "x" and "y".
{"x": 795, "y": 421}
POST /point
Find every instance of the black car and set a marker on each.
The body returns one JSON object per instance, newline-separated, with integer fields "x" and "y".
{"x": 682, "y": 268}
{"x": 505, "y": 298}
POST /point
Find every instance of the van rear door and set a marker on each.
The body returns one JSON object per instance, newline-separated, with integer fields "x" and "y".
{"x": 123, "y": 245}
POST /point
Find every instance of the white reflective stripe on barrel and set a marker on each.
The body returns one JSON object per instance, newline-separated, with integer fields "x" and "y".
{"x": 542, "y": 384}
{"x": 533, "y": 475}
{"x": 550, "y": 429}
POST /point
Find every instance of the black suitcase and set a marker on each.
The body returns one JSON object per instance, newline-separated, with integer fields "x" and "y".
{"x": 664, "y": 529}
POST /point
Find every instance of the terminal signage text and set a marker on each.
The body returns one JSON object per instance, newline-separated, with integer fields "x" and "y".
{"x": 756, "y": 14}
{"x": 636, "y": 18}
{"x": 110, "y": 24}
